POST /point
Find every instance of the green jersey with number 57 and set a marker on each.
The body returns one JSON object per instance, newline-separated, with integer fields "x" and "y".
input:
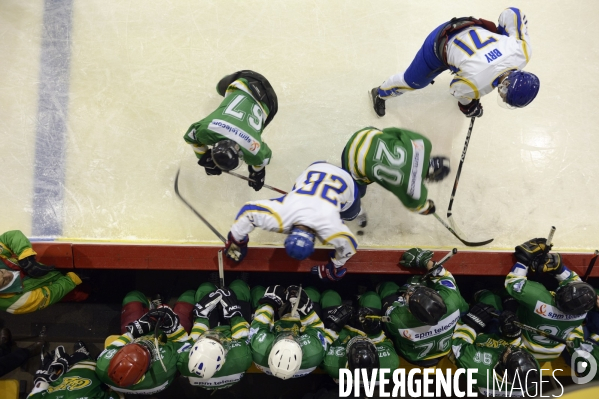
{"x": 239, "y": 117}
{"x": 397, "y": 159}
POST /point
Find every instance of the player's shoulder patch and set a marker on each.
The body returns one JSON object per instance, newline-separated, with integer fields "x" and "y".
{"x": 322, "y": 340}
{"x": 519, "y": 285}
{"x": 185, "y": 348}
{"x": 448, "y": 283}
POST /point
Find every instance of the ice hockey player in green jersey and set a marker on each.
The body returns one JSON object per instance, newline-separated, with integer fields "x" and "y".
{"x": 504, "y": 366}
{"x": 232, "y": 133}
{"x": 584, "y": 347}
{"x": 397, "y": 159}
{"x": 295, "y": 344}
{"x": 558, "y": 313}
{"x": 64, "y": 376}
{"x": 220, "y": 353}
{"x": 423, "y": 314}
{"x": 25, "y": 284}
{"x": 359, "y": 340}
{"x": 140, "y": 363}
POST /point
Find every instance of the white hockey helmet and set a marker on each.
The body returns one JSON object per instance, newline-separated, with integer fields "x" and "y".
{"x": 285, "y": 357}
{"x": 207, "y": 355}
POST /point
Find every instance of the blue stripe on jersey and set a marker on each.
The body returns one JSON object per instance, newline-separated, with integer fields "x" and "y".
{"x": 519, "y": 27}
{"x": 252, "y": 207}
{"x": 354, "y": 243}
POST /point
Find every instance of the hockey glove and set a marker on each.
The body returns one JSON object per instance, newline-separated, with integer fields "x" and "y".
{"x": 389, "y": 300}
{"x": 274, "y": 296}
{"x": 329, "y": 272}
{"x": 509, "y": 330}
{"x": 206, "y": 305}
{"x": 208, "y": 163}
{"x": 140, "y": 327}
{"x": 428, "y": 208}
{"x": 167, "y": 319}
{"x": 416, "y": 258}
{"x": 236, "y": 249}
{"x": 33, "y": 268}
{"x": 257, "y": 177}
{"x": 305, "y": 305}
{"x": 526, "y": 253}
{"x": 228, "y": 302}
{"x": 479, "y": 316}
{"x": 337, "y": 317}
{"x": 60, "y": 363}
{"x": 551, "y": 263}
{"x": 45, "y": 371}
{"x": 473, "y": 109}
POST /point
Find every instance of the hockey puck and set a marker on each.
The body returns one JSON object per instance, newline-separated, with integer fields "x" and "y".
{"x": 360, "y": 233}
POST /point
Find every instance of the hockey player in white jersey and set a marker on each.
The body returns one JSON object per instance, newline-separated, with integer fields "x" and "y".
{"x": 482, "y": 56}
{"x": 321, "y": 197}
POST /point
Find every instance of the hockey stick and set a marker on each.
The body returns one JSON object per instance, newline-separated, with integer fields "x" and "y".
{"x": 466, "y": 243}
{"x": 219, "y": 235}
{"x": 591, "y": 265}
{"x": 454, "y": 228}
{"x": 242, "y": 177}
{"x": 221, "y": 269}
{"x": 297, "y": 301}
{"x": 439, "y": 264}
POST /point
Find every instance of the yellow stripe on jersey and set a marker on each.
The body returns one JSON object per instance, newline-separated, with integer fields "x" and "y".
{"x": 363, "y": 151}
{"x": 257, "y": 208}
{"x": 347, "y": 236}
{"x": 353, "y": 150}
{"x": 521, "y": 36}
{"x": 541, "y": 352}
{"x": 468, "y": 83}
{"x": 31, "y": 301}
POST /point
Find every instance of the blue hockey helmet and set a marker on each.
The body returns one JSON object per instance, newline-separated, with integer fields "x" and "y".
{"x": 518, "y": 89}
{"x": 299, "y": 244}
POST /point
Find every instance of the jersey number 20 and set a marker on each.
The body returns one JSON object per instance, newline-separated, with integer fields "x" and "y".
{"x": 388, "y": 164}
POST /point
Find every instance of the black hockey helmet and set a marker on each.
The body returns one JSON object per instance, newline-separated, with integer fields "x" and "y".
{"x": 517, "y": 360}
{"x": 260, "y": 87}
{"x": 361, "y": 354}
{"x": 426, "y": 304}
{"x": 368, "y": 325}
{"x": 438, "y": 169}
{"x": 227, "y": 155}
{"x": 575, "y": 297}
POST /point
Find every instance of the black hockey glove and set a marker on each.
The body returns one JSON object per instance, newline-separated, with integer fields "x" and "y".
{"x": 473, "y": 109}
{"x": 529, "y": 251}
{"x": 479, "y": 316}
{"x": 206, "y": 305}
{"x": 305, "y": 305}
{"x": 337, "y": 317}
{"x": 274, "y": 296}
{"x": 167, "y": 319}
{"x": 208, "y": 163}
{"x": 60, "y": 364}
{"x": 509, "y": 330}
{"x": 45, "y": 371}
{"x": 228, "y": 302}
{"x": 33, "y": 268}
{"x": 257, "y": 177}
{"x": 551, "y": 263}
{"x": 142, "y": 326}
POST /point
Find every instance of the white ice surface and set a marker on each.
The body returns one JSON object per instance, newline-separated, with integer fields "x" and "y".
{"x": 143, "y": 71}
